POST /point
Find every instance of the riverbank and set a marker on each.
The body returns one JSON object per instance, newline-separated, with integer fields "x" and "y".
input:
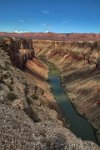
{"x": 73, "y": 84}
{"x": 79, "y": 64}
{"x": 78, "y": 124}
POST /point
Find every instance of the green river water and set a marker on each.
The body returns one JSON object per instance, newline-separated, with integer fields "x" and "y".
{"x": 78, "y": 124}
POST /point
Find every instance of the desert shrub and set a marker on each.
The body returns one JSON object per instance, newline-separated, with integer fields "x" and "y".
{"x": 35, "y": 88}
{"x": 26, "y": 87}
{"x": 26, "y": 90}
{"x": 10, "y": 87}
{"x": 25, "y": 83}
{"x": 7, "y": 65}
{"x": 34, "y": 96}
{"x": 29, "y": 100}
{"x": 11, "y": 96}
{"x": 1, "y": 88}
{"x": 5, "y": 76}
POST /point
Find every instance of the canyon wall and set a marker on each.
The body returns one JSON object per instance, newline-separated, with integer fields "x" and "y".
{"x": 22, "y": 55}
{"x": 79, "y": 64}
{"x": 89, "y": 51}
{"x": 19, "y": 50}
{"x": 29, "y": 117}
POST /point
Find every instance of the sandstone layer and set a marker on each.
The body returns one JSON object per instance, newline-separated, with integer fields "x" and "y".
{"x": 28, "y": 113}
{"x": 79, "y": 64}
{"x": 54, "y": 36}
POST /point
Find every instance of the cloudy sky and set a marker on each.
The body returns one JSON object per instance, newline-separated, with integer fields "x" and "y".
{"x": 61, "y": 16}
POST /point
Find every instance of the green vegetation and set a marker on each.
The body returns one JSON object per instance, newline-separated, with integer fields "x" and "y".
{"x": 34, "y": 96}
{"x": 26, "y": 87}
{"x": 5, "y": 76}
{"x": 28, "y": 100}
{"x": 35, "y": 88}
{"x": 7, "y": 65}
{"x": 52, "y": 66}
{"x": 25, "y": 83}
{"x": 1, "y": 88}
{"x": 11, "y": 96}
{"x": 10, "y": 87}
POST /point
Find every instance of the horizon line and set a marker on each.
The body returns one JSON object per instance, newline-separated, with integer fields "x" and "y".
{"x": 50, "y": 32}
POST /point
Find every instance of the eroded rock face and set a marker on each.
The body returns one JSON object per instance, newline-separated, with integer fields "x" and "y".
{"x": 20, "y": 50}
{"x": 28, "y": 114}
{"x": 79, "y": 64}
{"x": 17, "y": 131}
{"x": 89, "y": 51}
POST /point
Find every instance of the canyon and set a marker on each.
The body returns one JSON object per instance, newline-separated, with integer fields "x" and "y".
{"x": 79, "y": 65}
{"x": 33, "y": 105}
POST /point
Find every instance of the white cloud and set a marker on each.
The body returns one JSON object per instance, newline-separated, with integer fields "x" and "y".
{"x": 16, "y": 31}
{"x": 46, "y": 27}
{"x": 45, "y": 12}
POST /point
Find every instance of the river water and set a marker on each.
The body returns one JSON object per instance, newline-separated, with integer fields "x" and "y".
{"x": 78, "y": 124}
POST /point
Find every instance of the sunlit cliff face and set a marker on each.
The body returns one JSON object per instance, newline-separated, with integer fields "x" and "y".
{"x": 79, "y": 64}
{"x": 22, "y": 55}
{"x": 88, "y": 51}
{"x": 37, "y": 69}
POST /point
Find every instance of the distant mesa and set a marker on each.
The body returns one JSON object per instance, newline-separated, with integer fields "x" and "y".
{"x": 54, "y": 36}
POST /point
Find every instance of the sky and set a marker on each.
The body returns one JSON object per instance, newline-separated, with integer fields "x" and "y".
{"x": 61, "y": 16}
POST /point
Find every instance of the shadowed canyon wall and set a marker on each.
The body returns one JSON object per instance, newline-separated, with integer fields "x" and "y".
{"x": 19, "y": 50}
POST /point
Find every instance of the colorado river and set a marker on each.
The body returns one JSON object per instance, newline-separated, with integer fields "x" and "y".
{"x": 78, "y": 124}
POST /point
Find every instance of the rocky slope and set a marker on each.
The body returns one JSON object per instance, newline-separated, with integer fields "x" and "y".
{"x": 28, "y": 113}
{"x": 79, "y": 64}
